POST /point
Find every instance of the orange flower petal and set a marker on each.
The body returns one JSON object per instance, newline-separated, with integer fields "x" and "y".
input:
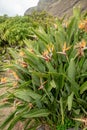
{"x": 65, "y": 48}
{"x": 21, "y": 53}
{"x": 15, "y": 75}
{"x": 4, "y": 80}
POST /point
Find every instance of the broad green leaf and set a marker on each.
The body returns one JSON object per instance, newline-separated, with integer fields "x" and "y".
{"x": 61, "y": 109}
{"x": 74, "y": 87}
{"x": 36, "y": 113}
{"x": 34, "y": 61}
{"x": 71, "y": 29}
{"x": 26, "y": 95}
{"x": 83, "y": 87}
{"x": 50, "y": 67}
{"x": 40, "y": 74}
{"x": 35, "y": 79}
{"x": 25, "y": 84}
{"x": 76, "y": 12}
{"x": 16, "y": 66}
{"x": 70, "y": 101}
{"x": 23, "y": 96}
{"x": 41, "y": 35}
{"x": 71, "y": 69}
{"x": 52, "y": 85}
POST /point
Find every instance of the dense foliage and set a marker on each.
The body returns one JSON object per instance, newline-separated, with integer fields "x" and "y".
{"x": 13, "y": 30}
{"x": 50, "y": 76}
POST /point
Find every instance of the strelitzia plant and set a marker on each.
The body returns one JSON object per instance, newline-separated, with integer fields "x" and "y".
{"x": 50, "y": 77}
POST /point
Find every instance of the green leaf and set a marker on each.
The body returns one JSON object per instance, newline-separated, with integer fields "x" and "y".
{"x": 13, "y": 53}
{"x": 8, "y": 119}
{"x": 14, "y": 121}
{"x": 17, "y": 117}
{"x": 36, "y": 113}
{"x": 71, "y": 29}
{"x": 5, "y": 105}
{"x": 82, "y": 102}
{"x": 25, "y": 84}
{"x": 34, "y": 61}
{"x": 50, "y": 67}
{"x": 71, "y": 69}
{"x": 83, "y": 87}
{"x": 41, "y": 35}
{"x": 77, "y": 12}
{"x": 52, "y": 85}
{"x": 61, "y": 108}
{"x": 70, "y": 100}
{"x": 26, "y": 95}
{"x": 74, "y": 87}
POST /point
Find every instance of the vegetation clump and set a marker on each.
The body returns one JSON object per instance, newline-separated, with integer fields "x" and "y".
{"x": 49, "y": 83}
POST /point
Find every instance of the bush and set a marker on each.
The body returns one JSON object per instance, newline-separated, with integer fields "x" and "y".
{"x": 13, "y": 30}
{"x": 50, "y": 76}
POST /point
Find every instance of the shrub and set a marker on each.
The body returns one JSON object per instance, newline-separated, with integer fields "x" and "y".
{"x": 50, "y": 76}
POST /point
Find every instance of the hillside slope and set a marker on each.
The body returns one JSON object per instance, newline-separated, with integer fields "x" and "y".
{"x": 58, "y": 7}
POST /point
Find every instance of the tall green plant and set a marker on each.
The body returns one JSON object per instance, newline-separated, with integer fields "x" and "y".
{"x": 50, "y": 76}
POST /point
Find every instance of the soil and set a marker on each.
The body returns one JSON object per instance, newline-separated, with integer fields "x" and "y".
{"x": 7, "y": 110}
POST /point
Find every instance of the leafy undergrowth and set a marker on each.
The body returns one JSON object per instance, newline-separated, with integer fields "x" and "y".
{"x": 67, "y": 124}
{"x": 13, "y": 30}
{"x": 48, "y": 82}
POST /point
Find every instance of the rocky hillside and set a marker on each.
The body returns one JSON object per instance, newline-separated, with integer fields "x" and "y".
{"x": 58, "y": 7}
